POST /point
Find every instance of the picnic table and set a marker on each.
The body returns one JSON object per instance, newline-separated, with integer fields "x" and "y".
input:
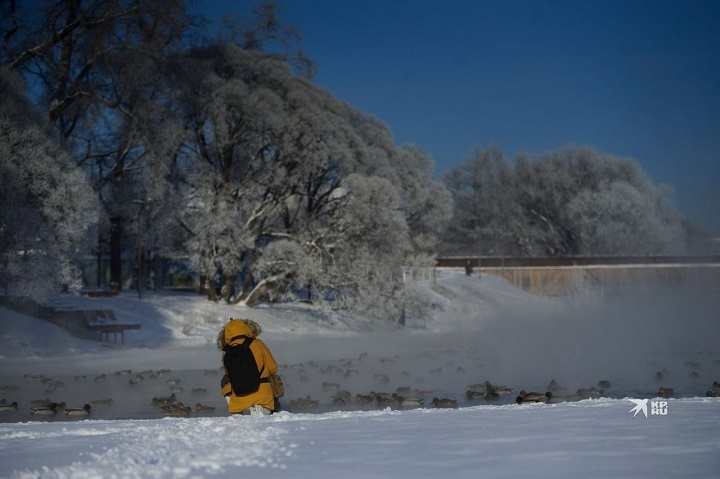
{"x": 104, "y": 322}
{"x": 96, "y": 324}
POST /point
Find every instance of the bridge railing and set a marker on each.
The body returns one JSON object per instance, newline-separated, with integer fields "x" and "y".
{"x": 608, "y": 274}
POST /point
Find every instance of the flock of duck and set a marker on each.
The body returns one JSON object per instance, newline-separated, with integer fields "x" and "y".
{"x": 167, "y": 405}
{"x": 331, "y": 393}
{"x": 404, "y": 397}
{"x": 407, "y": 397}
{"x": 43, "y": 408}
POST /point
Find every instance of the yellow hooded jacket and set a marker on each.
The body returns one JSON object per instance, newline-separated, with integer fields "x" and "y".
{"x": 265, "y": 361}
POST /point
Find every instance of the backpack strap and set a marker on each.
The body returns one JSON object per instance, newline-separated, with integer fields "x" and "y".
{"x": 241, "y": 336}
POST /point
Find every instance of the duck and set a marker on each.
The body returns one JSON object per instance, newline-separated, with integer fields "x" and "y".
{"x": 101, "y": 402}
{"x": 552, "y": 385}
{"x": 555, "y": 399}
{"x": 471, "y": 395}
{"x": 477, "y": 388}
{"x": 164, "y": 400}
{"x": 403, "y": 390}
{"x": 383, "y": 395}
{"x": 503, "y": 390}
{"x": 587, "y": 393}
{"x": 715, "y": 391}
{"x": 78, "y": 411}
{"x": 303, "y": 403}
{"x": 200, "y": 408}
{"x": 385, "y": 401}
{"x": 666, "y": 392}
{"x": 176, "y": 409}
{"x": 409, "y": 401}
{"x": 48, "y": 410}
{"x": 556, "y": 390}
{"x": 575, "y": 397}
{"x": 135, "y": 381}
{"x": 491, "y": 396}
{"x": 497, "y": 388}
{"x": 5, "y": 406}
{"x": 525, "y": 397}
{"x": 444, "y": 403}
{"x": 604, "y": 384}
{"x": 344, "y": 394}
{"x": 363, "y": 399}
{"x": 52, "y": 386}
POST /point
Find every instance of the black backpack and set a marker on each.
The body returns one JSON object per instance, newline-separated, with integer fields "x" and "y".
{"x": 241, "y": 367}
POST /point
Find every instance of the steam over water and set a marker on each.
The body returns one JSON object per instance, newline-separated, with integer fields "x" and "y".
{"x": 478, "y": 334}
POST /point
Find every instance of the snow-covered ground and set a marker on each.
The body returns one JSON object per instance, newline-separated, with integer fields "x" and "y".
{"x": 482, "y": 329}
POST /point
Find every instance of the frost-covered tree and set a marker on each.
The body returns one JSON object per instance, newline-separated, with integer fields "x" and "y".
{"x": 619, "y": 218}
{"x": 94, "y": 66}
{"x": 487, "y": 219}
{"x": 567, "y": 191}
{"x": 220, "y": 151}
{"x": 574, "y": 200}
{"x": 48, "y": 205}
{"x": 261, "y": 182}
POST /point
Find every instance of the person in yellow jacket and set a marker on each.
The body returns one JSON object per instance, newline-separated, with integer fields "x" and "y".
{"x": 262, "y": 401}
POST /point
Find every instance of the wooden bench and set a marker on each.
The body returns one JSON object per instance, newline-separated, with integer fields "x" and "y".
{"x": 104, "y": 322}
{"x": 96, "y": 324}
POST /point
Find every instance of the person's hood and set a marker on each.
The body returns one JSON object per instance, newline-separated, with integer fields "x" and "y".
{"x": 236, "y": 327}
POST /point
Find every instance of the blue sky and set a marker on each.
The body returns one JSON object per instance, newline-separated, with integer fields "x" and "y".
{"x": 637, "y": 79}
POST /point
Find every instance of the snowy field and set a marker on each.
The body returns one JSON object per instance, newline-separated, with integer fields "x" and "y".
{"x": 482, "y": 329}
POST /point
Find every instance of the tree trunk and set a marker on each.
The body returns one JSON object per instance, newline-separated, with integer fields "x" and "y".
{"x": 210, "y": 291}
{"x": 256, "y": 293}
{"x": 228, "y": 288}
{"x": 99, "y": 263}
{"x": 247, "y": 286}
{"x": 115, "y": 252}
